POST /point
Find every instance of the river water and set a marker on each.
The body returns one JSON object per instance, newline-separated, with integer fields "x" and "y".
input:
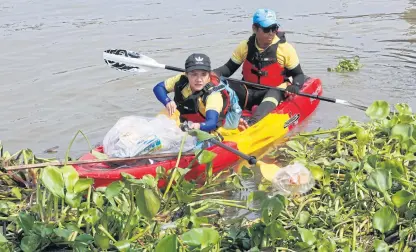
{"x": 54, "y": 81}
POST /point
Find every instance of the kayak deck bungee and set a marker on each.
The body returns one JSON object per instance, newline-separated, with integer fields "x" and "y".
{"x": 291, "y": 112}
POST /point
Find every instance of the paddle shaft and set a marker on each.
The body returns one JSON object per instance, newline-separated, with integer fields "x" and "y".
{"x": 251, "y": 159}
{"x": 323, "y": 98}
{"x": 78, "y": 162}
{"x": 144, "y": 61}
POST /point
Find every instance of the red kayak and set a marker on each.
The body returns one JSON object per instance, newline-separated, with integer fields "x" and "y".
{"x": 291, "y": 112}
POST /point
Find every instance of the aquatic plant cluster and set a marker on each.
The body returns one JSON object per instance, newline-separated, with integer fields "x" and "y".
{"x": 347, "y": 65}
{"x": 363, "y": 199}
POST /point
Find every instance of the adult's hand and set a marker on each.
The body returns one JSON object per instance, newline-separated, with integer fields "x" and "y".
{"x": 293, "y": 89}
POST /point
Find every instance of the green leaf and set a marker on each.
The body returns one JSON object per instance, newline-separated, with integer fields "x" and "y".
{"x": 256, "y": 196}
{"x": 102, "y": 241}
{"x": 327, "y": 245}
{"x": 92, "y": 215}
{"x": 373, "y": 160}
{"x": 197, "y": 221}
{"x": 246, "y": 172}
{"x": 73, "y": 199}
{"x": 30, "y": 243}
{"x": 98, "y": 199}
{"x": 150, "y": 181}
{"x": 25, "y": 221}
{"x": 271, "y": 208}
{"x": 16, "y": 192}
{"x": 295, "y": 145}
{"x": 53, "y": 180}
{"x": 45, "y": 230}
{"x": 394, "y": 166}
{"x": 122, "y": 245}
{"x": 378, "y": 110}
{"x": 63, "y": 233}
{"x": 160, "y": 172}
{"x": 99, "y": 155}
{"x": 147, "y": 202}
{"x": 344, "y": 121}
{"x": 206, "y": 156}
{"x": 410, "y": 157}
{"x": 200, "y": 135}
{"x": 275, "y": 230}
{"x": 403, "y": 109}
{"x": 168, "y": 243}
{"x": 379, "y": 180}
{"x": 406, "y": 119}
{"x": 307, "y": 236}
{"x": 412, "y": 149}
{"x": 236, "y": 182}
{"x": 316, "y": 170}
{"x": 381, "y": 246}
{"x": 70, "y": 176}
{"x": 114, "y": 189}
{"x": 72, "y": 227}
{"x": 84, "y": 238}
{"x": 83, "y": 184}
{"x": 362, "y": 135}
{"x": 2, "y": 239}
{"x": 80, "y": 247}
{"x": 304, "y": 217}
{"x": 402, "y": 132}
{"x": 401, "y": 198}
{"x": 384, "y": 219}
{"x": 201, "y": 237}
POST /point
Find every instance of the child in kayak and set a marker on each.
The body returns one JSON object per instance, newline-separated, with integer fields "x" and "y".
{"x": 200, "y": 97}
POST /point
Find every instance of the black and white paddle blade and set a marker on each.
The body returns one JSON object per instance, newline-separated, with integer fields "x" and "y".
{"x": 125, "y": 53}
{"x": 129, "y": 61}
{"x": 124, "y": 68}
{"x": 121, "y": 66}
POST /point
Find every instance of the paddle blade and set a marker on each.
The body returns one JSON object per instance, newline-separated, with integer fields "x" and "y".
{"x": 124, "y": 68}
{"x": 268, "y": 170}
{"x": 129, "y": 61}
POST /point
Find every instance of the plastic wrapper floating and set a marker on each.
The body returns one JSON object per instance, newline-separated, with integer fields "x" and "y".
{"x": 293, "y": 179}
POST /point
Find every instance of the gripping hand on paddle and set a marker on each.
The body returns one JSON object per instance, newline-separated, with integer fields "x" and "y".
{"x": 171, "y": 107}
{"x": 292, "y": 89}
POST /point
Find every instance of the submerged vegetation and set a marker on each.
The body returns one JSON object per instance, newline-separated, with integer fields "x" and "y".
{"x": 363, "y": 200}
{"x": 347, "y": 65}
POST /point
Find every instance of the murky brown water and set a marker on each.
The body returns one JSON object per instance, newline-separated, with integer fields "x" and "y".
{"x": 54, "y": 82}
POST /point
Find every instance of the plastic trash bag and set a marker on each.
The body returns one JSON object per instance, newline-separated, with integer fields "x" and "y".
{"x": 137, "y": 135}
{"x": 292, "y": 179}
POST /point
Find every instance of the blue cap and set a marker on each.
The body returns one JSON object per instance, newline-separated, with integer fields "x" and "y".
{"x": 264, "y": 17}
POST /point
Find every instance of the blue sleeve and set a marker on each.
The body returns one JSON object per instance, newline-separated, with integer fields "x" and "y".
{"x": 211, "y": 120}
{"x": 161, "y": 93}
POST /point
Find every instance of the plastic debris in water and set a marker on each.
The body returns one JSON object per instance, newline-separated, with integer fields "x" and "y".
{"x": 293, "y": 179}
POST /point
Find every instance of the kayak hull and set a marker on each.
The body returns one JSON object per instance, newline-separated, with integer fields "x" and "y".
{"x": 291, "y": 112}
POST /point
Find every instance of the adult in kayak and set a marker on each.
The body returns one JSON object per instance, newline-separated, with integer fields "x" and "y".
{"x": 267, "y": 59}
{"x": 198, "y": 95}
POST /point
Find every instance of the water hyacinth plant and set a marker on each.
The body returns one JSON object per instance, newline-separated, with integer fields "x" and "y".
{"x": 363, "y": 200}
{"x": 346, "y": 65}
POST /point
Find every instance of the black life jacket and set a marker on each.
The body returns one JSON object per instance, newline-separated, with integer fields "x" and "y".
{"x": 189, "y": 107}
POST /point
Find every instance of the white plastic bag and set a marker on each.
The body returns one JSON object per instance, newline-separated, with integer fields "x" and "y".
{"x": 136, "y": 135}
{"x": 295, "y": 178}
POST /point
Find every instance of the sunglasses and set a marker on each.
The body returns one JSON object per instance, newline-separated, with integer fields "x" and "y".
{"x": 272, "y": 28}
